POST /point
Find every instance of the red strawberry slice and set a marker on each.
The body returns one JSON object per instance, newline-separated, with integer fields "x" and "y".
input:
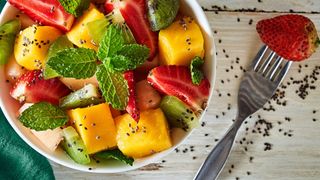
{"x": 134, "y": 13}
{"x": 132, "y": 107}
{"x": 293, "y": 37}
{"x": 45, "y": 12}
{"x": 176, "y": 81}
{"x": 31, "y": 87}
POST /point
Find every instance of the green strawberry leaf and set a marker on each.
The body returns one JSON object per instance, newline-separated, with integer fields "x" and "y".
{"x": 75, "y": 7}
{"x": 79, "y": 63}
{"x": 195, "y": 69}
{"x": 111, "y": 42}
{"x": 61, "y": 43}
{"x": 113, "y": 86}
{"x": 129, "y": 57}
{"x": 115, "y": 154}
{"x": 43, "y": 116}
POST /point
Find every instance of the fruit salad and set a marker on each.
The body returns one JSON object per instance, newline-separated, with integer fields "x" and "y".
{"x": 105, "y": 80}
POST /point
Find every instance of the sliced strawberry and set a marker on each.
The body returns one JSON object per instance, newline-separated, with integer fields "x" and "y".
{"x": 132, "y": 107}
{"x": 31, "y": 87}
{"x": 46, "y": 12}
{"x": 176, "y": 81}
{"x": 134, "y": 13}
{"x": 292, "y": 36}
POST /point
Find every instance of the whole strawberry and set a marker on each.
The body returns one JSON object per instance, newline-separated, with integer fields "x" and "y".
{"x": 293, "y": 37}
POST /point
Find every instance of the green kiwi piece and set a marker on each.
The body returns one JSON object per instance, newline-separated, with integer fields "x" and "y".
{"x": 8, "y": 32}
{"x": 61, "y": 43}
{"x": 98, "y": 28}
{"x": 86, "y": 96}
{"x": 74, "y": 146}
{"x": 178, "y": 113}
{"x": 161, "y": 13}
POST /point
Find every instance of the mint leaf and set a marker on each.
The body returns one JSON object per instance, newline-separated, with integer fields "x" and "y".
{"x": 195, "y": 69}
{"x": 115, "y": 154}
{"x": 61, "y": 43}
{"x": 43, "y": 116}
{"x": 129, "y": 57}
{"x": 79, "y": 63}
{"x": 111, "y": 42}
{"x": 75, "y": 7}
{"x": 113, "y": 86}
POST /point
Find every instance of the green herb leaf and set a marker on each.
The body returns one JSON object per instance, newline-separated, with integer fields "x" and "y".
{"x": 115, "y": 154}
{"x": 75, "y": 7}
{"x": 61, "y": 43}
{"x": 79, "y": 63}
{"x": 129, "y": 57}
{"x": 195, "y": 69}
{"x": 111, "y": 42}
{"x": 113, "y": 86}
{"x": 43, "y": 116}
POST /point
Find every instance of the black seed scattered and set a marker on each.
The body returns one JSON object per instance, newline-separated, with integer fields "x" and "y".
{"x": 207, "y": 146}
{"x": 194, "y": 157}
{"x": 248, "y": 173}
{"x": 251, "y": 159}
{"x": 206, "y": 134}
{"x": 90, "y": 169}
{"x": 238, "y": 19}
{"x": 216, "y": 140}
{"x": 220, "y": 41}
{"x": 163, "y": 161}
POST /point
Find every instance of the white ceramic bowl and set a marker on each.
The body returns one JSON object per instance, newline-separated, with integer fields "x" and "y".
{"x": 10, "y": 107}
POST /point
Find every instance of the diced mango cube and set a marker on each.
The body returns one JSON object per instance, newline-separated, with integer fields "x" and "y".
{"x": 32, "y": 44}
{"x": 148, "y": 136}
{"x": 181, "y": 42}
{"x": 95, "y": 126}
{"x": 79, "y": 34}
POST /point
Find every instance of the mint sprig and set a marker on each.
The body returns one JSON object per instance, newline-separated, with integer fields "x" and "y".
{"x": 112, "y": 42}
{"x": 79, "y": 63}
{"x": 129, "y": 57}
{"x": 61, "y": 43}
{"x": 113, "y": 86}
{"x": 115, "y": 154}
{"x": 195, "y": 70}
{"x": 43, "y": 116}
{"x": 118, "y": 50}
{"x": 75, "y": 7}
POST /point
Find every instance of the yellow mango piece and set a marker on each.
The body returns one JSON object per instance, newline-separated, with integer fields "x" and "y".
{"x": 95, "y": 126}
{"x": 32, "y": 44}
{"x": 141, "y": 139}
{"x": 180, "y": 42}
{"x": 79, "y": 34}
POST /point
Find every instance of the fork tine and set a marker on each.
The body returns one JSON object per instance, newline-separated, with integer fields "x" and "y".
{"x": 259, "y": 57}
{"x": 279, "y": 77}
{"x": 274, "y": 68}
{"x": 266, "y": 63}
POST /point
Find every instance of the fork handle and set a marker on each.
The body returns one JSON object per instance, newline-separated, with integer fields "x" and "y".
{"x": 217, "y": 158}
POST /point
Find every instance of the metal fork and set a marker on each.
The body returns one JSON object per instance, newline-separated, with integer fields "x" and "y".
{"x": 257, "y": 87}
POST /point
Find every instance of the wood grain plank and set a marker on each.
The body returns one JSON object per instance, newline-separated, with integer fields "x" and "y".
{"x": 262, "y": 5}
{"x": 295, "y": 157}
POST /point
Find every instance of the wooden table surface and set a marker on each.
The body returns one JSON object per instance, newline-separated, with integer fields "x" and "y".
{"x": 279, "y": 142}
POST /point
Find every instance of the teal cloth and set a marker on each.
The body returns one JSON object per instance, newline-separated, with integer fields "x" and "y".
{"x": 17, "y": 159}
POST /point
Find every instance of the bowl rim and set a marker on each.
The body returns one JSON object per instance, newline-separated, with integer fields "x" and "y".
{"x": 205, "y": 23}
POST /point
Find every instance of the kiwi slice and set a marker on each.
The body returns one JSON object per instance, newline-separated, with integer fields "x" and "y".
{"x": 98, "y": 27}
{"x": 88, "y": 95}
{"x": 61, "y": 43}
{"x": 74, "y": 146}
{"x": 161, "y": 13}
{"x": 8, "y": 32}
{"x": 178, "y": 113}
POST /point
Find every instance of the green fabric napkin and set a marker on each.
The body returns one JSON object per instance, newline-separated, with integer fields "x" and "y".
{"x": 17, "y": 159}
